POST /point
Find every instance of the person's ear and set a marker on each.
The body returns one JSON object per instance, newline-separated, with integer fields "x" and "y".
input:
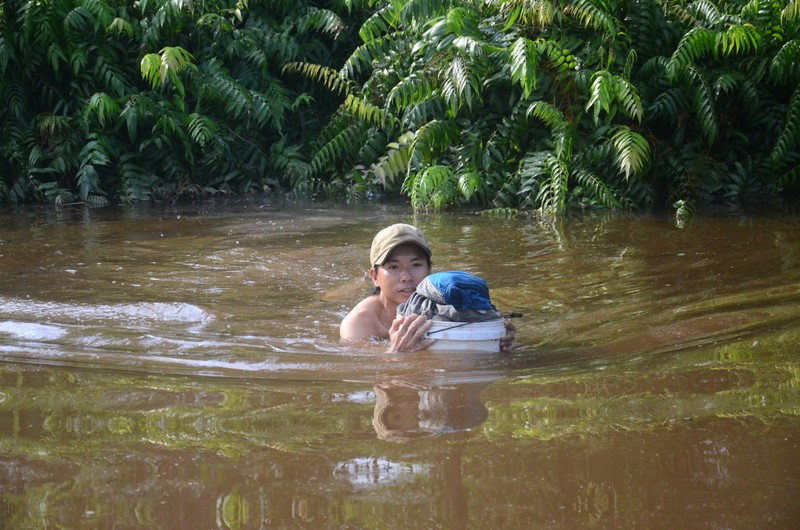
{"x": 373, "y": 274}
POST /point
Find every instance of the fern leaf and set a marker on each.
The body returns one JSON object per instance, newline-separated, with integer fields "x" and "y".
{"x": 592, "y": 17}
{"x": 705, "y": 108}
{"x": 459, "y": 86}
{"x": 202, "y": 129}
{"x": 739, "y": 39}
{"x": 600, "y": 190}
{"x": 376, "y": 49}
{"x": 337, "y": 148}
{"x": 784, "y": 68}
{"x": 696, "y": 44}
{"x": 602, "y": 94}
{"x": 324, "y": 20}
{"x": 103, "y": 107}
{"x": 433, "y": 137}
{"x": 791, "y": 13}
{"x": 415, "y": 88}
{"x": 553, "y": 193}
{"x": 366, "y": 111}
{"x": 633, "y": 151}
{"x": 322, "y": 74}
{"x": 562, "y": 129}
{"x": 789, "y": 139}
{"x": 525, "y": 64}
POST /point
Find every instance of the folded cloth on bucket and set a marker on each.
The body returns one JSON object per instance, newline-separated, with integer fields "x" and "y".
{"x": 453, "y": 295}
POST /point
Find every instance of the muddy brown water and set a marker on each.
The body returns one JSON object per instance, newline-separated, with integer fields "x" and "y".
{"x": 180, "y": 367}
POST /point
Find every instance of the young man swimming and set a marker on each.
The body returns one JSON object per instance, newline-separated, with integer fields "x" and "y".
{"x": 400, "y": 258}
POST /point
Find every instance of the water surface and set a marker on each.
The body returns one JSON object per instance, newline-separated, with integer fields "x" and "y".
{"x": 179, "y": 367}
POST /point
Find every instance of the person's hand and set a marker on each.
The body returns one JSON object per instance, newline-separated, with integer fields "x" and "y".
{"x": 511, "y": 332}
{"x": 408, "y": 333}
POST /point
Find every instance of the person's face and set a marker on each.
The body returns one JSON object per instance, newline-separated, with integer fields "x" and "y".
{"x": 399, "y": 275}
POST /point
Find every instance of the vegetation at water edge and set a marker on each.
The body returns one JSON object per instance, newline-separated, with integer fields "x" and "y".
{"x": 500, "y": 103}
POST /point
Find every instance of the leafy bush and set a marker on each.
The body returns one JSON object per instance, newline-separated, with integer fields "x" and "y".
{"x": 157, "y": 98}
{"x": 617, "y": 104}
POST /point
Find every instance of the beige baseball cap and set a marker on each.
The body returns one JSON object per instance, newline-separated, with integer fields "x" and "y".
{"x": 393, "y": 236}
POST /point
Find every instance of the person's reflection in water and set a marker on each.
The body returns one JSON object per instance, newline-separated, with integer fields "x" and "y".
{"x": 405, "y": 410}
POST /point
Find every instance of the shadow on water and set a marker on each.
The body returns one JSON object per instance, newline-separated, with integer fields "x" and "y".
{"x": 181, "y": 368}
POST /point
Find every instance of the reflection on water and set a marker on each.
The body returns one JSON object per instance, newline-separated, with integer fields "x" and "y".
{"x": 411, "y": 408}
{"x": 180, "y": 368}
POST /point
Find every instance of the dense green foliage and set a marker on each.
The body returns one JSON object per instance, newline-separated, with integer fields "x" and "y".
{"x": 613, "y": 103}
{"x": 156, "y": 98}
{"x": 503, "y": 103}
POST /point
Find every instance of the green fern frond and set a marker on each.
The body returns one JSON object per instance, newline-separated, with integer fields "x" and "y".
{"x": 669, "y": 104}
{"x": 433, "y": 137}
{"x": 696, "y": 44}
{"x": 436, "y": 186}
{"x": 632, "y": 149}
{"x": 562, "y": 129}
{"x": 469, "y": 183}
{"x": 628, "y": 96}
{"x": 103, "y": 107}
{"x": 553, "y": 193}
{"x": 525, "y": 64}
{"x": 791, "y": 13}
{"x": 79, "y": 20}
{"x": 49, "y": 126}
{"x": 366, "y": 111}
{"x": 381, "y": 22}
{"x": 329, "y": 77}
{"x": 789, "y": 139}
{"x": 535, "y": 13}
{"x": 592, "y": 17}
{"x": 602, "y": 94}
{"x": 739, "y": 39}
{"x": 726, "y": 83}
{"x": 375, "y": 50}
{"x": 423, "y": 10}
{"x": 395, "y": 162}
{"x": 120, "y": 26}
{"x": 15, "y": 97}
{"x": 167, "y": 64}
{"x": 338, "y": 148}
{"x": 412, "y": 90}
{"x": 323, "y": 20}
{"x": 56, "y": 56}
{"x": 110, "y": 77}
{"x": 709, "y": 12}
{"x": 599, "y": 189}
{"x": 417, "y": 115}
{"x": 784, "y": 68}
{"x": 704, "y": 106}
{"x": 94, "y": 153}
{"x": 202, "y": 129}
{"x": 460, "y": 85}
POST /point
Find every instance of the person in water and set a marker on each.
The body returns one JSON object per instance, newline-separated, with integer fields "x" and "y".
{"x": 400, "y": 258}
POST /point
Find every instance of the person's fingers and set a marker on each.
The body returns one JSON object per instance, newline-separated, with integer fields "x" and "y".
{"x": 408, "y": 333}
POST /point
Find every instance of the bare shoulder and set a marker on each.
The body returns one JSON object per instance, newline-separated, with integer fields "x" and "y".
{"x": 363, "y": 321}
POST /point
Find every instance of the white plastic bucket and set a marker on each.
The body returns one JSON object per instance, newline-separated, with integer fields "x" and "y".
{"x": 473, "y": 337}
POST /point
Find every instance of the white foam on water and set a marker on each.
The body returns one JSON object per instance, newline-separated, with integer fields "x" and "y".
{"x": 31, "y": 331}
